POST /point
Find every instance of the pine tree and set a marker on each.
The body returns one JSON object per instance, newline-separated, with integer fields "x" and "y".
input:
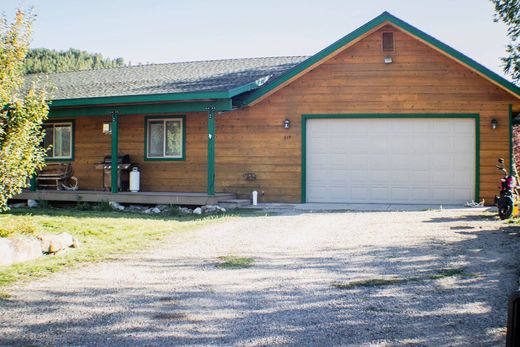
{"x": 508, "y": 11}
{"x": 49, "y": 60}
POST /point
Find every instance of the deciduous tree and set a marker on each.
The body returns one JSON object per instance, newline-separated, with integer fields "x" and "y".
{"x": 22, "y": 110}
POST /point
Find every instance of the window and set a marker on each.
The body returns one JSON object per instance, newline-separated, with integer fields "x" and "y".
{"x": 388, "y": 42}
{"x": 59, "y": 140}
{"x": 165, "y": 138}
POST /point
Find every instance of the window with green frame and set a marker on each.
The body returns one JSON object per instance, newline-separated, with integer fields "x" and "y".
{"x": 59, "y": 140}
{"x": 165, "y": 138}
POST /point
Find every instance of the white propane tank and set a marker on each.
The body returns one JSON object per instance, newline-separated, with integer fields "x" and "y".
{"x": 134, "y": 180}
{"x": 255, "y": 197}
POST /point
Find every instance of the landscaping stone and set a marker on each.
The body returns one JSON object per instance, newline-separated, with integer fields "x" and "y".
{"x": 18, "y": 205}
{"x": 52, "y": 243}
{"x": 162, "y": 207}
{"x": 136, "y": 208}
{"x": 198, "y": 210}
{"x": 22, "y": 248}
{"x": 185, "y": 210}
{"x": 116, "y": 206}
{"x": 6, "y": 252}
{"x": 212, "y": 209}
{"x": 153, "y": 210}
{"x": 32, "y": 203}
{"x": 18, "y": 249}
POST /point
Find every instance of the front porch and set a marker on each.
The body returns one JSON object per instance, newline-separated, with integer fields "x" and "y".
{"x": 167, "y": 198}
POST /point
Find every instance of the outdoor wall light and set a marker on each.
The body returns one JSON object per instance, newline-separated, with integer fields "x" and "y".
{"x": 107, "y": 128}
{"x": 287, "y": 123}
{"x": 494, "y": 123}
{"x": 388, "y": 60}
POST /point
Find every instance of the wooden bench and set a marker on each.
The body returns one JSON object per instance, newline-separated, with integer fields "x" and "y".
{"x": 54, "y": 175}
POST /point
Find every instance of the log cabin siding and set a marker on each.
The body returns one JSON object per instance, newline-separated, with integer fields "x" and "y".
{"x": 252, "y": 139}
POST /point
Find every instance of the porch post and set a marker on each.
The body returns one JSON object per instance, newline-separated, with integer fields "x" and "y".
{"x": 114, "y": 170}
{"x": 32, "y": 183}
{"x": 211, "y": 150}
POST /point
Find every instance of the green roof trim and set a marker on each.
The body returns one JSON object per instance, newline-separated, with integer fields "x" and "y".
{"x": 125, "y": 99}
{"x": 149, "y": 109}
{"x": 379, "y": 20}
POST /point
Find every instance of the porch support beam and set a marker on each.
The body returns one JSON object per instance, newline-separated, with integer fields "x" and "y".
{"x": 211, "y": 150}
{"x": 114, "y": 164}
{"x": 151, "y": 109}
{"x": 32, "y": 183}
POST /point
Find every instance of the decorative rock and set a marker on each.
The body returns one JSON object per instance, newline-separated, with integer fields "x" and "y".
{"x": 116, "y": 206}
{"x": 137, "y": 208}
{"x": 18, "y": 249}
{"x": 155, "y": 210}
{"x": 162, "y": 207}
{"x": 6, "y": 252}
{"x": 213, "y": 209}
{"x": 32, "y": 203}
{"x": 18, "y": 205}
{"x": 198, "y": 210}
{"x": 185, "y": 210}
{"x": 75, "y": 243}
{"x": 52, "y": 243}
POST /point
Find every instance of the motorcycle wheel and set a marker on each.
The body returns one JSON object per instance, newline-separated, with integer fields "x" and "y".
{"x": 505, "y": 210}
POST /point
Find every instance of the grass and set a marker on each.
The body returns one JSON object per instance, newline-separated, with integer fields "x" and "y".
{"x": 371, "y": 282}
{"x": 377, "y": 282}
{"x": 103, "y": 235}
{"x": 5, "y": 296}
{"x": 233, "y": 262}
{"x": 443, "y": 273}
{"x": 22, "y": 226}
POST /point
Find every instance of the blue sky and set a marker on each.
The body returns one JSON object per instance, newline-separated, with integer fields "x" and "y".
{"x": 155, "y": 31}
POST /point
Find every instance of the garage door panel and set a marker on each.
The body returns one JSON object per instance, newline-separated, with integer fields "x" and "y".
{"x": 390, "y": 161}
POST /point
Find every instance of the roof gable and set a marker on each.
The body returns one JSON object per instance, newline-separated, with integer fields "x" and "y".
{"x": 339, "y": 46}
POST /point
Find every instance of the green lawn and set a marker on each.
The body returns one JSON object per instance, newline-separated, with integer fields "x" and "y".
{"x": 103, "y": 235}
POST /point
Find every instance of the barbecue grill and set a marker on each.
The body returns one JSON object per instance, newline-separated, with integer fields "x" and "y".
{"x": 123, "y": 169}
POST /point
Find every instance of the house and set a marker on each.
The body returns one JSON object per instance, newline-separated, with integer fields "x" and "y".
{"x": 387, "y": 114}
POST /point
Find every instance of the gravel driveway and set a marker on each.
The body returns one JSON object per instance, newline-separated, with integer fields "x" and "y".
{"x": 350, "y": 278}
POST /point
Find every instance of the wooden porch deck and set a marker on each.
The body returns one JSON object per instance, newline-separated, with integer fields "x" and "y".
{"x": 176, "y": 198}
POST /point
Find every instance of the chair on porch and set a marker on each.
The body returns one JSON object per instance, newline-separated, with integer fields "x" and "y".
{"x": 57, "y": 175}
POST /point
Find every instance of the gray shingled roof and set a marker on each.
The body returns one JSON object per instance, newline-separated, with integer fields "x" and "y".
{"x": 197, "y": 76}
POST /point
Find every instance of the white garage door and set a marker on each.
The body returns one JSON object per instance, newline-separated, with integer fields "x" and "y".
{"x": 399, "y": 160}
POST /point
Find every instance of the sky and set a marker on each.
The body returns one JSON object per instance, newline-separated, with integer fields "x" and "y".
{"x": 154, "y": 31}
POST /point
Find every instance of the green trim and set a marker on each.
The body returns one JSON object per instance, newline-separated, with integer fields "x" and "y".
{"x": 165, "y": 97}
{"x": 220, "y": 105}
{"x": 305, "y": 117}
{"x": 385, "y": 17}
{"x": 248, "y": 87}
{"x": 72, "y": 144}
{"x": 183, "y": 119}
{"x": 211, "y": 151}
{"x": 32, "y": 183}
{"x": 511, "y": 159}
{"x": 123, "y": 99}
{"x": 115, "y": 144}
{"x": 477, "y": 157}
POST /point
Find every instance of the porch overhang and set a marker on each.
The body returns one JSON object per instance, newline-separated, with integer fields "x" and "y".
{"x": 140, "y": 108}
